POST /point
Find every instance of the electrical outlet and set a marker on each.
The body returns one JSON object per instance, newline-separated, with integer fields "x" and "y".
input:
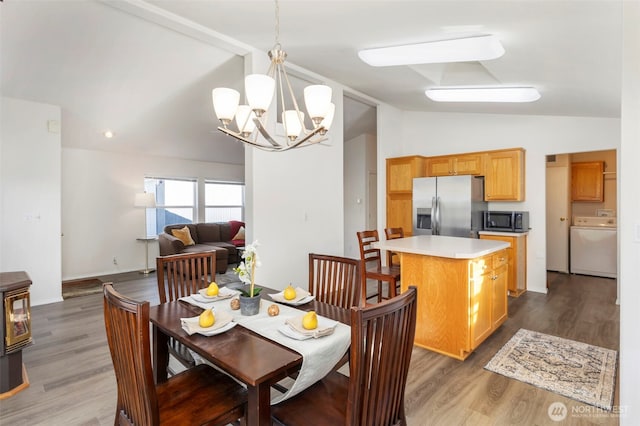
{"x": 115, "y": 261}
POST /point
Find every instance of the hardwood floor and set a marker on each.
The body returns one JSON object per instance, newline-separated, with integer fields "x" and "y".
{"x": 72, "y": 381}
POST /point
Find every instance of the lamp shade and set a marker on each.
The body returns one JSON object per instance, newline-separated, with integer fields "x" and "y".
{"x": 259, "y": 89}
{"x": 244, "y": 119}
{"x": 145, "y": 199}
{"x": 292, "y": 123}
{"x": 225, "y": 103}
{"x": 328, "y": 119}
{"x": 317, "y": 98}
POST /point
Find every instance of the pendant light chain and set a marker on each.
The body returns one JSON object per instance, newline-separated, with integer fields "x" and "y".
{"x": 277, "y": 23}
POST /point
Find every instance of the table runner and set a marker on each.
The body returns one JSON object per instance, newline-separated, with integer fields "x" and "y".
{"x": 319, "y": 356}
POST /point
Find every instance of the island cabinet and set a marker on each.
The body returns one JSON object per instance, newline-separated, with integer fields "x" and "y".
{"x": 462, "y": 289}
{"x": 461, "y": 302}
{"x": 517, "y": 258}
{"x": 400, "y": 174}
{"x": 504, "y": 175}
{"x": 451, "y": 165}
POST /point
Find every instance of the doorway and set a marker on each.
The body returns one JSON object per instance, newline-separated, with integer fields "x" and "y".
{"x": 360, "y": 171}
{"x": 561, "y": 209}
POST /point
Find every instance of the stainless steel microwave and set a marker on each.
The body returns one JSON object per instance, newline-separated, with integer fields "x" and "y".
{"x": 506, "y": 221}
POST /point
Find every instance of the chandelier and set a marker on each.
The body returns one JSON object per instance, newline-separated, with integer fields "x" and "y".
{"x": 251, "y": 118}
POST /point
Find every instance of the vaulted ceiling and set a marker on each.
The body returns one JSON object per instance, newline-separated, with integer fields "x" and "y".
{"x": 146, "y": 69}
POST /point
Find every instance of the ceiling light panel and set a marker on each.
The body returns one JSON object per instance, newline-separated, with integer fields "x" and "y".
{"x": 483, "y": 94}
{"x": 477, "y": 48}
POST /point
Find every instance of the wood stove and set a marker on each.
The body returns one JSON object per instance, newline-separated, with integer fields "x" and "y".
{"x": 15, "y": 331}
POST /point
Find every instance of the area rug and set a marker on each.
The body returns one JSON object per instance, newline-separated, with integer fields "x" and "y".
{"x": 79, "y": 288}
{"x": 573, "y": 369}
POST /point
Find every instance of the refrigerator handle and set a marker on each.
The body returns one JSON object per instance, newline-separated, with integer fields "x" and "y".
{"x": 434, "y": 217}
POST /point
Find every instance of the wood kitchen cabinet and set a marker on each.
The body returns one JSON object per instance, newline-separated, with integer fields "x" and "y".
{"x": 504, "y": 175}
{"x": 517, "y": 259}
{"x": 587, "y": 181}
{"x": 488, "y": 296}
{"x": 461, "y": 302}
{"x": 451, "y": 165}
{"x": 400, "y": 174}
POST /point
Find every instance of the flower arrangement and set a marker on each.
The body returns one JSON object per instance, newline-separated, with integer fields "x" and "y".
{"x": 247, "y": 269}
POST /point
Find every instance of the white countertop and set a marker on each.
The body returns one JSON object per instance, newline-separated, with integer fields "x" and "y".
{"x": 441, "y": 246}
{"x": 505, "y": 234}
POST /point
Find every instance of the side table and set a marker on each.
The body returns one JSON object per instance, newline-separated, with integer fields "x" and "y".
{"x": 146, "y": 240}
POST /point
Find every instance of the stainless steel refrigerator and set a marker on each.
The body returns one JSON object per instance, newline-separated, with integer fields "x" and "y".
{"x": 448, "y": 205}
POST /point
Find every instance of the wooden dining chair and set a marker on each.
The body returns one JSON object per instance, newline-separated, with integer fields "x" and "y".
{"x": 392, "y": 233}
{"x": 372, "y": 262}
{"x": 200, "y": 395}
{"x": 336, "y": 280}
{"x": 373, "y": 394}
{"x": 181, "y": 275}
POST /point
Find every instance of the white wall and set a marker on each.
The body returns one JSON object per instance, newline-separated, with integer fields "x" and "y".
{"x": 359, "y": 161}
{"x": 99, "y": 221}
{"x": 30, "y": 192}
{"x": 629, "y": 218}
{"x": 449, "y": 133}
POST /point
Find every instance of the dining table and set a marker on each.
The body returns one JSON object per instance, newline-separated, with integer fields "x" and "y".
{"x": 251, "y": 358}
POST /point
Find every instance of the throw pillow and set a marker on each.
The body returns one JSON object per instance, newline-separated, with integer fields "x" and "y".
{"x": 240, "y": 234}
{"x": 183, "y": 235}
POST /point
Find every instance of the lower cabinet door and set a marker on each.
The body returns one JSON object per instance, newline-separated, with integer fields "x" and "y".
{"x": 480, "y": 308}
{"x": 499, "y": 303}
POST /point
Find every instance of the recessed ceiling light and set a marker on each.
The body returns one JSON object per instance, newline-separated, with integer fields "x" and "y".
{"x": 108, "y": 134}
{"x": 483, "y": 94}
{"x": 476, "y": 48}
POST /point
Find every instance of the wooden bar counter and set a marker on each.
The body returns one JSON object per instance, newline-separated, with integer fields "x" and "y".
{"x": 462, "y": 289}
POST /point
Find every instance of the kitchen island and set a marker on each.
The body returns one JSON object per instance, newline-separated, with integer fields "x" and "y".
{"x": 462, "y": 289}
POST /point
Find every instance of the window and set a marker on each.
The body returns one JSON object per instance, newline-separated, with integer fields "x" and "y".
{"x": 223, "y": 201}
{"x": 175, "y": 203}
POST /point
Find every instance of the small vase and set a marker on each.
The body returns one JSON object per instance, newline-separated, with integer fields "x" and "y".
{"x": 249, "y": 305}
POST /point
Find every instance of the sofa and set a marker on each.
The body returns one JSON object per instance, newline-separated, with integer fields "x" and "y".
{"x": 198, "y": 237}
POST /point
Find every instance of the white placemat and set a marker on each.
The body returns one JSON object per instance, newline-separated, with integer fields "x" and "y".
{"x": 319, "y": 356}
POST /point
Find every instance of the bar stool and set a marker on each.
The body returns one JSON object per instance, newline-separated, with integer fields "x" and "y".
{"x": 392, "y": 234}
{"x": 372, "y": 261}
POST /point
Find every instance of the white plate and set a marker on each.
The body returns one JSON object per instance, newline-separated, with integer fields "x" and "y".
{"x": 306, "y": 298}
{"x": 223, "y": 293}
{"x": 222, "y": 329}
{"x": 191, "y": 326}
{"x": 289, "y": 332}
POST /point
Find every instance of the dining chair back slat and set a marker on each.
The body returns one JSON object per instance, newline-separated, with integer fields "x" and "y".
{"x": 336, "y": 280}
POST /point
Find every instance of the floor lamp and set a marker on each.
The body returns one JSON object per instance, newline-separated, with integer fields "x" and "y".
{"x": 148, "y": 201}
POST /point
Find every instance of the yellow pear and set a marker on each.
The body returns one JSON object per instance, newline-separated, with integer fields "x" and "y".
{"x": 213, "y": 289}
{"x": 310, "y": 320}
{"x": 207, "y": 318}
{"x": 289, "y": 293}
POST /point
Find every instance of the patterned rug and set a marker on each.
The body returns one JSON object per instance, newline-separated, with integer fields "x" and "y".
{"x": 576, "y": 370}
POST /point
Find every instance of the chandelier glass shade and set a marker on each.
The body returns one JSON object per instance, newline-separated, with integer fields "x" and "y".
{"x": 251, "y": 118}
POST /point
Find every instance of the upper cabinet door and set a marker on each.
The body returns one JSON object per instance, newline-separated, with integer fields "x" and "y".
{"x": 587, "y": 181}
{"x": 504, "y": 175}
{"x": 401, "y": 171}
{"x": 452, "y": 165}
